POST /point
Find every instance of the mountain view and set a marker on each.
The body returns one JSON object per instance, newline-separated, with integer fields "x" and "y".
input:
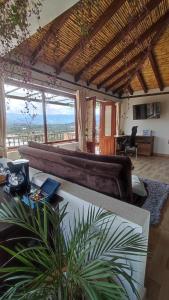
{"x": 19, "y": 125}
{"x": 38, "y": 120}
{"x": 51, "y": 119}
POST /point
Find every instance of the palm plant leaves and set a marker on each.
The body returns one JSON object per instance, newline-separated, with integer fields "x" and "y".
{"x": 93, "y": 257}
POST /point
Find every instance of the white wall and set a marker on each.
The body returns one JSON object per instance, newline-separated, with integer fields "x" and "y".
{"x": 159, "y": 127}
{"x": 67, "y": 84}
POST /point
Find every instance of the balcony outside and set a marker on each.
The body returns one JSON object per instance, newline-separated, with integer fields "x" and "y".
{"x": 29, "y": 118}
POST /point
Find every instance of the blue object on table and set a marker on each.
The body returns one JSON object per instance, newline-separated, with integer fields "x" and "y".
{"x": 48, "y": 189}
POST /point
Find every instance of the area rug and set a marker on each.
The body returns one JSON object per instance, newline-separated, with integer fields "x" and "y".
{"x": 158, "y": 193}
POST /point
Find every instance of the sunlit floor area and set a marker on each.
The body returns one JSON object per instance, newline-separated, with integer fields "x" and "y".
{"x": 154, "y": 167}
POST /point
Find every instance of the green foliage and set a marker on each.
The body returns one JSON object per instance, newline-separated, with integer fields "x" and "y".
{"x": 14, "y": 19}
{"x": 82, "y": 262}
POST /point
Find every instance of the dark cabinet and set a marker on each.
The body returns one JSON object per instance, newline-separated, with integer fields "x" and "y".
{"x": 144, "y": 143}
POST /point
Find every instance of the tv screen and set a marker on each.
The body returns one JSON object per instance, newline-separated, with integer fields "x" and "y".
{"x": 146, "y": 111}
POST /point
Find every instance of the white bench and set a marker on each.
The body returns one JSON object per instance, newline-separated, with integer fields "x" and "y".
{"x": 79, "y": 197}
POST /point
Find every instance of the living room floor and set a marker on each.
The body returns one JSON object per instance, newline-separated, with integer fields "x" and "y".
{"x": 157, "y": 275}
{"x": 154, "y": 167}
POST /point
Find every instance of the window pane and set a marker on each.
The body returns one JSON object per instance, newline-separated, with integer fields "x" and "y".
{"x": 24, "y": 122}
{"x": 60, "y": 120}
{"x": 25, "y": 116}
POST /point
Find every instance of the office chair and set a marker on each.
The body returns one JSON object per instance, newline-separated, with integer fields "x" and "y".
{"x": 130, "y": 144}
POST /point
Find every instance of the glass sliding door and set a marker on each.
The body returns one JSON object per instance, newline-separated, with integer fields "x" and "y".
{"x": 60, "y": 118}
{"x": 24, "y": 117}
{"x": 33, "y": 114}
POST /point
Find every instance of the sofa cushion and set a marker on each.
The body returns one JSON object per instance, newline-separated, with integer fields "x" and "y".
{"x": 124, "y": 180}
{"x": 99, "y": 176}
{"x": 45, "y": 147}
{"x": 138, "y": 186}
{"x": 124, "y": 161}
{"x": 91, "y": 156}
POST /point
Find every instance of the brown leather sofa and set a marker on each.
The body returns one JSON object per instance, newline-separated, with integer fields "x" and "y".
{"x": 110, "y": 175}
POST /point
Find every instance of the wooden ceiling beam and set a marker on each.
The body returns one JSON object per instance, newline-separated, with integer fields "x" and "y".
{"x": 142, "y": 81}
{"x": 130, "y": 89}
{"x": 154, "y": 41}
{"x": 54, "y": 27}
{"x": 95, "y": 28}
{"x": 122, "y": 68}
{"x": 121, "y": 93}
{"x": 156, "y": 70}
{"x": 152, "y": 29}
{"x": 114, "y": 83}
{"x": 119, "y": 88}
{"x": 38, "y": 50}
{"x": 135, "y": 20}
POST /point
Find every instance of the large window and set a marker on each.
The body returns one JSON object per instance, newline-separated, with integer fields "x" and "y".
{"x": 39, "y": 116}
{"x": 60, "y": 118}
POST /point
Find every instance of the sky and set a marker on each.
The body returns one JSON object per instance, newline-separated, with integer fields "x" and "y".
{"x": 16, "y": 106}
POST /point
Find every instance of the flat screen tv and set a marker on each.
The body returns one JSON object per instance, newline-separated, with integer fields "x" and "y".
{"x": 146, "y": 111}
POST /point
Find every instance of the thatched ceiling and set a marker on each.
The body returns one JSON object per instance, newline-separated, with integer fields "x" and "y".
{"x": 118, "y": 45}
{"x": 3, "y": 1}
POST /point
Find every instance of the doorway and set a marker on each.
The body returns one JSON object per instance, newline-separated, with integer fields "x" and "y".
{"x": 107, "y": 128}
{"x": 100, "y": 126}
{"x": 97, "y": 116}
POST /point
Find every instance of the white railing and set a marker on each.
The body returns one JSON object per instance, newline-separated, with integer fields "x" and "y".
{"x": 13, "y": 141}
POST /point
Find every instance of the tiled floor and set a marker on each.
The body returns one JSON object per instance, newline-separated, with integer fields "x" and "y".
{"x": 157, "y": 275}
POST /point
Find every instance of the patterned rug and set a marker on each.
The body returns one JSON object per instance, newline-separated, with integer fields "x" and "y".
{"x": 157, "y": 195}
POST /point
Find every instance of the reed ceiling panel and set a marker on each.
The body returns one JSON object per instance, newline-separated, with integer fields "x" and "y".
{"x": 125, "y": 72}
{"x": 162, "y": 56}
{"x": 135, "y": 84}
{"x": 149, "y": 76}
{"x": 64, "y": 38}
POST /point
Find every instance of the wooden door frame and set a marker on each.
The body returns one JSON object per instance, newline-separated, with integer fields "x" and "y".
{"x": 102, "y": 121}
{"x": 94, "y": 122}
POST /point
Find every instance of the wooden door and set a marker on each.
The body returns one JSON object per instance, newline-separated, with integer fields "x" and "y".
{"x": 107, "y": 128}
{"x": 91, "y": 124}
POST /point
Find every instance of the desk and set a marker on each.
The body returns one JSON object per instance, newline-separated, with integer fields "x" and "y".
{"x": 145, "y": 144}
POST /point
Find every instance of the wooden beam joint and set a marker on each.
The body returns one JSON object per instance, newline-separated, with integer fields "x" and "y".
{"x": 142, "y": 81}
{"x": 130, "y": 89}
{"x": 155, "y": 68}
{"x": 155, "y": 28}
{"x": 100, "y": 22}
{"x": 135, "y": 20}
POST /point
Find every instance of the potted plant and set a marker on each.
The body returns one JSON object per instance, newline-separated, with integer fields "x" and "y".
{"x": 79, "y": 261}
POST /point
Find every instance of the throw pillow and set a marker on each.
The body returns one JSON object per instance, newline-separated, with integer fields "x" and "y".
{"x": 138, "y": 186}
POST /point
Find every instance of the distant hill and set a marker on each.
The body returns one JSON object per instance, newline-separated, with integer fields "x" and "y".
{"x": 18, "y": 119}
{"x": 52, "y": 119}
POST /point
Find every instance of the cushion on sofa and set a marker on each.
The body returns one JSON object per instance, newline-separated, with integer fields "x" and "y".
{"x": 138, "y": 186}
{"x": 99, "y": 176}
{"x": 125, "y": 162}
{"x": 46, "y": 147}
